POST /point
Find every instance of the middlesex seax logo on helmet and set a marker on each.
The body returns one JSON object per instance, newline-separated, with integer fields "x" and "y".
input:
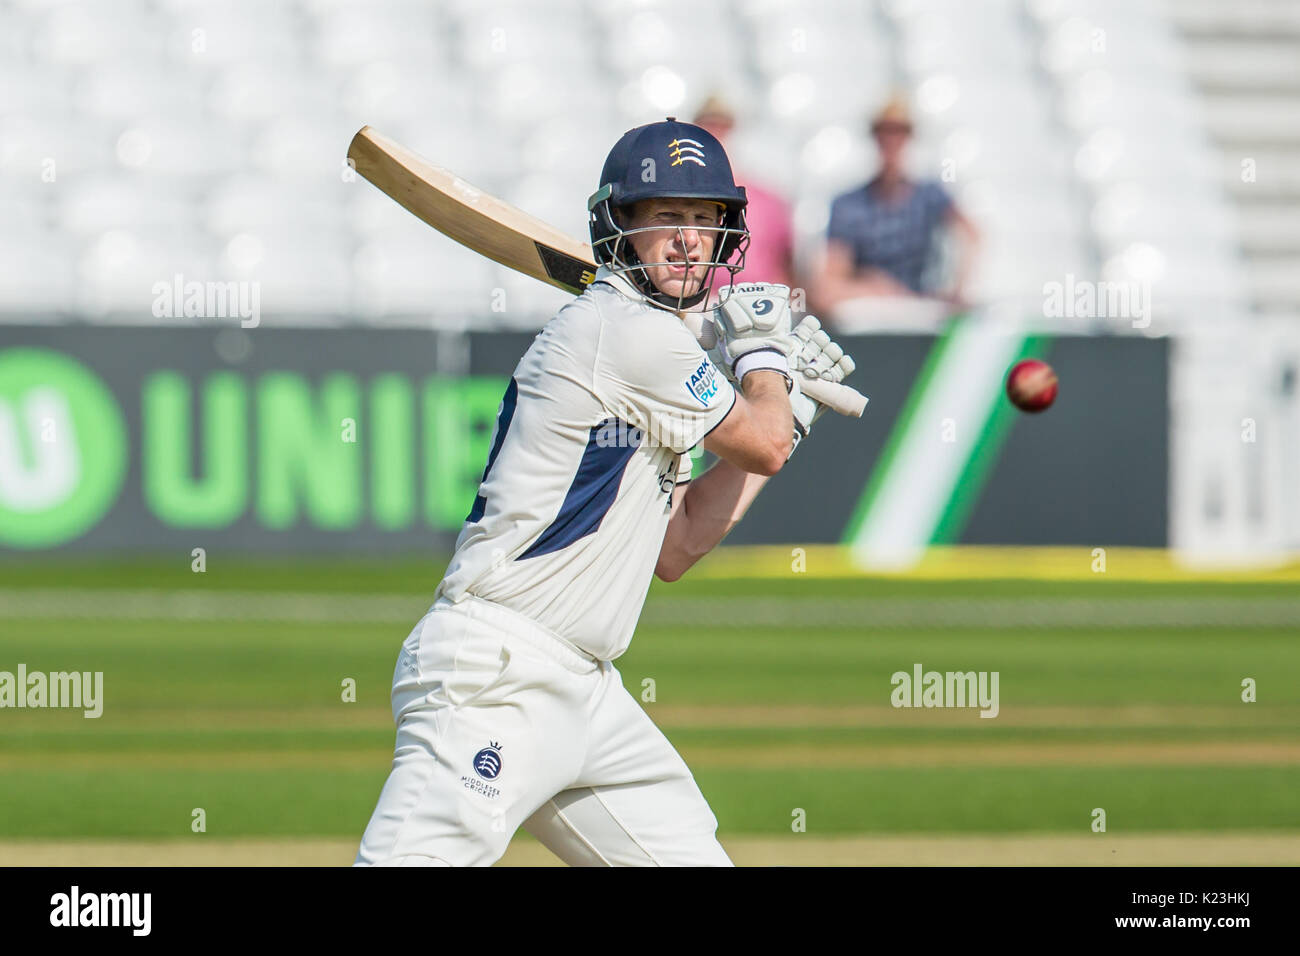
{"x": 686, "y": 151}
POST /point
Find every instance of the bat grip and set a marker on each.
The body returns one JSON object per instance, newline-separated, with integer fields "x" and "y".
{"x": 838, "y": 398}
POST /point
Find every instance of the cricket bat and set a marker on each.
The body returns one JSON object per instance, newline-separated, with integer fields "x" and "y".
{"x": 508, "y": 235}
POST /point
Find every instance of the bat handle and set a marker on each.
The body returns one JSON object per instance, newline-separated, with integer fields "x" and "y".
{"x": 847, "y": 401}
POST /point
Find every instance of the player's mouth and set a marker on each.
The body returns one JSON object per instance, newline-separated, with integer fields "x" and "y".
{"x": 680, "y": 268}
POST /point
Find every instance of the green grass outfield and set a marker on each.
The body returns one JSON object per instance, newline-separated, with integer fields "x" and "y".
{"x": 223, "y": 691}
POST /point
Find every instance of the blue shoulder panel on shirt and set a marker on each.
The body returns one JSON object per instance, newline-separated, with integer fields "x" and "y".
{"x": 593, "y": 489}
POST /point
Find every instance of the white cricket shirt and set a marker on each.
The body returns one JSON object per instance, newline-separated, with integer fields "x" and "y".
{"x": 589, "y": 442}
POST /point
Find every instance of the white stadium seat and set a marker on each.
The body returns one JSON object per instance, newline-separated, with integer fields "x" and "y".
{"x": 126, "y": 91}
{"x": 85, "y": 33}
{"x": 37, "y": 278}
{"x": 117, "y": 270}
{"x": 409, "y": 269}
{"x": 247, "y": 202}
{"x": 96, "y": 203}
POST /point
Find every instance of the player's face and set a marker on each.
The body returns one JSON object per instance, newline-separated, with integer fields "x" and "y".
{"x": 680, "y": 236}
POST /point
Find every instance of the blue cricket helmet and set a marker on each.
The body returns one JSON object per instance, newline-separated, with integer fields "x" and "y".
{"x": 669, "y": 159}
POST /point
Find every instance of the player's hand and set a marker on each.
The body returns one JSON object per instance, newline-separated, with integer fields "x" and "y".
{"x": 753, "y": 324}
{"x": 805, "y": 412}
{"x": 812, "y": 352}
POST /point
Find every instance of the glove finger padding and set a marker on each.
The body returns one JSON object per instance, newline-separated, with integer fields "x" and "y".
{"x": 825, "y": 367}
{"x": 812, "y": 352}
{"x": 820, "y": 367}
{"x": 805, "y": 329}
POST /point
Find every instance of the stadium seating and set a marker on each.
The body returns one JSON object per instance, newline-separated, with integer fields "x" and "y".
{"x": 1084, "y": 135}
{"x": 1244, "y": 60}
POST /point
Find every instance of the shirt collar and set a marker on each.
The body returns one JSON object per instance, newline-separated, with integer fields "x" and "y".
{"x": 607, "y": 275}
{"x": 621, "y": 284}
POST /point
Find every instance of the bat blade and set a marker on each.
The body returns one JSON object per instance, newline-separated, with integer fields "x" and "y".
{"x": 473, "y": 218}
{"x": 506, "y": 234}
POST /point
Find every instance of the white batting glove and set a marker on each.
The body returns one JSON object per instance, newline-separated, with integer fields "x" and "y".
{"x": 805, "y": 411}
{"x": 753, "y": 326}
{"x": 812, "y": 352}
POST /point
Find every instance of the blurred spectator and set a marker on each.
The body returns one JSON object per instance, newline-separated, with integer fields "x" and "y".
{"x": 881, "y": 240}
{"x": 770, "y": 257}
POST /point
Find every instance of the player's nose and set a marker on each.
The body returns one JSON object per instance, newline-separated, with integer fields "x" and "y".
{"x": 687, "y": 238}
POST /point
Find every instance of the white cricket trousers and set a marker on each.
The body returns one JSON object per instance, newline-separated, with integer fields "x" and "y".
{"x": 502, "y": 724}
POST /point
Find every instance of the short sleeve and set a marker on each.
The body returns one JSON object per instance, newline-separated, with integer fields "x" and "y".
{"x": 840, "y": 227}
{"x": 651, "y": 373}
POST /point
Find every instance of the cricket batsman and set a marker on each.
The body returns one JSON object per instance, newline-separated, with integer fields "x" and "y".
{"x": 508, "y": 707}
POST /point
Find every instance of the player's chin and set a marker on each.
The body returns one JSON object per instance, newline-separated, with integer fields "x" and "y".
{"x": 679, "y": 284}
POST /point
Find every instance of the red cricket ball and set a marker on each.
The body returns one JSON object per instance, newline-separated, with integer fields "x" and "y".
{"x": 1031, "y": 385}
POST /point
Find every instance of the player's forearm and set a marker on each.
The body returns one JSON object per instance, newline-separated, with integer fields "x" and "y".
{"x": 770, "y": 399}
{"x": 712, "y": 505}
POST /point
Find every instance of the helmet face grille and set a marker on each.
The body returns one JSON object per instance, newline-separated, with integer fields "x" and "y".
{"x": 612, "y": 248}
